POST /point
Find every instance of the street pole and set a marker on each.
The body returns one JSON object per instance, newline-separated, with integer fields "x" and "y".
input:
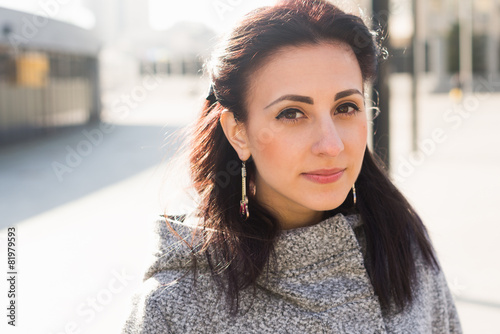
{"x": 380, "y": 10}
{"x": 418, "y": 56}
{"x": 465, "y": 33}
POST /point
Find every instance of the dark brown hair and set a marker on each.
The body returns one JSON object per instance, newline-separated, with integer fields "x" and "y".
{"x": 238, "y": 251}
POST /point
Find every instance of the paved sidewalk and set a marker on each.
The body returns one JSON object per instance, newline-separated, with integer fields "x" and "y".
{"x": 453, "y": 183}
{"x": 82, "y": 236}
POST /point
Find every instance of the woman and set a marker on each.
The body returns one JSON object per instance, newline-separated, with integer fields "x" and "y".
{"x": 321, "y": 241}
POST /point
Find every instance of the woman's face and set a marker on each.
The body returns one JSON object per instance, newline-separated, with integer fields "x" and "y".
{"x": 306, "y": 130}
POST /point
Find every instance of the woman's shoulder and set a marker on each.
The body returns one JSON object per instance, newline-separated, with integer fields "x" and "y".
{"x": 168, "y": 286}
{"x": 175, "y": 240}
{"x": 162, "y": 302}
{"x": 433, "y": 306}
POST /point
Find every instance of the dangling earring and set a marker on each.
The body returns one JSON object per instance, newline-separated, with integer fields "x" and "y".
{"x": 244, "y": 199}
{"x": 354, "y": 194}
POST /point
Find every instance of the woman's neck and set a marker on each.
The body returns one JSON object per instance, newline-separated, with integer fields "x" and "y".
{"x": 290, "y": 214}
{"x": 292, "y": 219}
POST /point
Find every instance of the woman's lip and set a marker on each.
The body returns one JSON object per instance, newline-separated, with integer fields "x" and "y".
{"x": 324, "y": 175}
{"x": 326, "y": 171}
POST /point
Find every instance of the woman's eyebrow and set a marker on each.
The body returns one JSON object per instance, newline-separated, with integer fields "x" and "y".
{"x": 292, "y": 97}
{"x": 347, "y": 92}
{"x": 309, "y": 100}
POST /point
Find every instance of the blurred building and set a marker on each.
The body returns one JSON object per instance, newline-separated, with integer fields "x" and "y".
{"x": 132, "y": 47}
{"x": 442, "y": 43}
{"x": 48, "y": 75}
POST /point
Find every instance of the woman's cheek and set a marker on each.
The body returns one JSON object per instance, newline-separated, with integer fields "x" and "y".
{"x": 360, "y": 142}
{"x": 265, "y": 133}
{"x": 269, "y": 149}
{"x": 358, "y": 134}
{"x": 275, "y": 153}
{"x": 362, "y": 136}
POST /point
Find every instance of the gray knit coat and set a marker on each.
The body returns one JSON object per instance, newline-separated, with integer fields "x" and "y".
{"x": 320, "y": 285}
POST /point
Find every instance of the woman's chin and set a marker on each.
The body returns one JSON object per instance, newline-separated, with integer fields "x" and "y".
{"x": 326, "y": 206}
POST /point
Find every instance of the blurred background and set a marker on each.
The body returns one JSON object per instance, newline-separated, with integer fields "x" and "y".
{"x": 94, "y": 99}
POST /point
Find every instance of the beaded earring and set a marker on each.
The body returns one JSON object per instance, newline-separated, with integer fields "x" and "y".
{"x": 354, "y": 194}
{"x": 244, "y": 199}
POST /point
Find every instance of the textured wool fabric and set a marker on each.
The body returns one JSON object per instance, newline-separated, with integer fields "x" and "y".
{"x": 320, "y": 285}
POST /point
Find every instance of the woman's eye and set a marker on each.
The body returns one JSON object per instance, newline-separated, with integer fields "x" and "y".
{"x": 290, "y": 114}
{"x": 347, "y": 108}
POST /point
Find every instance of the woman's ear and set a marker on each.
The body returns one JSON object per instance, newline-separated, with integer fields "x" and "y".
{"x": 236, "y": 134}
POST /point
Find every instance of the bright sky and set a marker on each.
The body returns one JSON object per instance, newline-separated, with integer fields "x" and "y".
{"x": 217, "y": 14}
{"x": 220, "y": 15}
{"x": 73, "y": 11}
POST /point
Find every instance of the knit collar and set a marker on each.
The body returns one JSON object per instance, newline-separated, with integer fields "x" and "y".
{"x": 304, "y": 246}
{"x": 320, "y": 266}
{"x": 294, "y": 248}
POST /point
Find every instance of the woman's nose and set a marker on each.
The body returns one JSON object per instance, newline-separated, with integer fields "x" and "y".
{"x": 327, "y": 139}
